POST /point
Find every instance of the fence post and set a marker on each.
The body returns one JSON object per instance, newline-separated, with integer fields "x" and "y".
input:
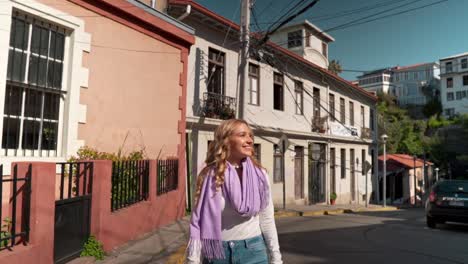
{"x": 153, "y": 179}
{"x": 101, "y": 195}
{"x": 42, "y": 205}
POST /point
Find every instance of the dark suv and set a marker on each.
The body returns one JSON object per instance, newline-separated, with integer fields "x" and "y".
{"x": 448, "y": 201}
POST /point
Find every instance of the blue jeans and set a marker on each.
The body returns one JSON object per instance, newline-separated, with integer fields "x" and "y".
{"x": 249, "y": 251}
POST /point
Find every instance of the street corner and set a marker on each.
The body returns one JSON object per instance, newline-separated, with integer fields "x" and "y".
{"x": 178, "y": 257}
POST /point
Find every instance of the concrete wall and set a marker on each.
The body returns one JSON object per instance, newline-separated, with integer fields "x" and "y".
{"x": 116, "y": 228}
{"x": 40, "y": 248}
{"x": 113, "y": 229}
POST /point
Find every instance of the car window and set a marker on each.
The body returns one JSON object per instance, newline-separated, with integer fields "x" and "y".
{"x": 461, "y": 186}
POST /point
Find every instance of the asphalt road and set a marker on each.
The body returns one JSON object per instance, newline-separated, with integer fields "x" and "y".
{"x": 371, "y": 237}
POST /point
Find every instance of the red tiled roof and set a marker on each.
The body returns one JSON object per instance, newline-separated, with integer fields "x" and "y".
{"x": 398, "y": 68}
{"x": 200, "y": 8}
{"x": 405, "y": 160}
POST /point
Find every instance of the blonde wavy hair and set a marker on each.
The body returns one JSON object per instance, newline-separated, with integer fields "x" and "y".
{"x": 218, "y": 152}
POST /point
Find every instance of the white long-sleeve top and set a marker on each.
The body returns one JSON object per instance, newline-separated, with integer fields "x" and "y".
{"x": 236, "y": 227}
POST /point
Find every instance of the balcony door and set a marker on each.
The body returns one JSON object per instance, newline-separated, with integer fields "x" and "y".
{"x": 216, "y": 72}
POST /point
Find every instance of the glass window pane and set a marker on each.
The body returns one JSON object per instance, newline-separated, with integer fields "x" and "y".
{"x": 31, "y": 134}
{"x": 51, "y": 106}
{"x": 16, "y": 66}
{"x": 10, "y": 135}
{"x": 37, "y": 71}
{"x": 33, "y": 104}
{"x": 57, "y": 42}
{"x": 54, "y": 75}
{"x": 13, "y": 100}
{"x": 49, "y": 136}
{"x": 40, "y": 40}
{"x": 19, "y": 34}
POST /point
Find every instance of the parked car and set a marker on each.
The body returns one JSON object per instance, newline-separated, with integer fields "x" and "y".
{"x": 448, "y": 201}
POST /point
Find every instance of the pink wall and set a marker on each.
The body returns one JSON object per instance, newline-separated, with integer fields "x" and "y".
{"x": 137, "y": 78}
{"x": 116, "y": 228}
{"x": 41, "y": 245}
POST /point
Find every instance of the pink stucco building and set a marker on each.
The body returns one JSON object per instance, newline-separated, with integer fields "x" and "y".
{"x": 108, "y": 74}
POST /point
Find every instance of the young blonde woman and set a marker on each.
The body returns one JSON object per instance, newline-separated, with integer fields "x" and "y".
{"x": 233, "y": 221}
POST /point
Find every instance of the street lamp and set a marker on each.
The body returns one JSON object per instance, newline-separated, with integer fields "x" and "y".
{"x": 437, "y": 174}
{"x": 384, "y": 139}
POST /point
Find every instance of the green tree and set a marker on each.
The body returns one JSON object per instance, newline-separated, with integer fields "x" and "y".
{"x": 335, "y": 67}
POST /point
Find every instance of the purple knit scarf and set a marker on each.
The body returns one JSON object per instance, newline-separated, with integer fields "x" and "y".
{"x": 247, "y": 198}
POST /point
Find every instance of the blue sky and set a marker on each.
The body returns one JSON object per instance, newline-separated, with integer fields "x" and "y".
{"x": 424, "y": 35}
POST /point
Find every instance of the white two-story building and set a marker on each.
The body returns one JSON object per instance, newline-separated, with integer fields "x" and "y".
{"x": 328, "y": 122}
{"x": 454, "y": 84}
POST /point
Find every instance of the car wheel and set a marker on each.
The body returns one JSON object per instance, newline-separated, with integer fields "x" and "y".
{"x": 431, "y": 223}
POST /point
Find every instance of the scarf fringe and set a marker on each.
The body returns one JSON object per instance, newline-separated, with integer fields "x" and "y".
{"x": 210, "y": 248}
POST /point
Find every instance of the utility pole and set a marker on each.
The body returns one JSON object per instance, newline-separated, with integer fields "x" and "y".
{"x": 415, "y": 180}
{"x": 244, "y": 55}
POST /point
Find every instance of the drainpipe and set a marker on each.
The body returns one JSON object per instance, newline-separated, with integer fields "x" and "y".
{"x": 153, "y": 4}
{"x": 188, "y": 9}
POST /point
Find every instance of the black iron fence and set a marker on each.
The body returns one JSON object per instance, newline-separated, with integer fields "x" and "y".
{"x": 219, "y": 106}
{"x": 168, "y": 174}
{"x": 76, "y": 179}
{"x": 9, "y": 233}
{"x": 130, "y": 183}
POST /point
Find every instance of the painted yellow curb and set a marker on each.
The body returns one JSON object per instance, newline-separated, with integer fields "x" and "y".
{"x": 178, "y": 257}
{"x": 281, "y": 214}
{"x": 377, "y": 209}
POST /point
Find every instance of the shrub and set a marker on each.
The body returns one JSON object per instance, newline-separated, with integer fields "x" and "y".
{"x": 93, "y": 248}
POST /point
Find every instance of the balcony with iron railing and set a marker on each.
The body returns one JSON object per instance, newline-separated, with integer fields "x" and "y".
{"x": 218, "y": 106}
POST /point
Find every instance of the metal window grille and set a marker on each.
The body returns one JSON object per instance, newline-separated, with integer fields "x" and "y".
{"x": 130, "y": 183}
{"x": 168, "y": 175}
{"x": 76, "y": 179}
{"x": 34, "y": 88}
{"x": 10, "y": 233}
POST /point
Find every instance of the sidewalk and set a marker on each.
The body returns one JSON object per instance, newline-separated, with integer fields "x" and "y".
{"x": 167, "y": 245}
{"x": 152, "y": 248}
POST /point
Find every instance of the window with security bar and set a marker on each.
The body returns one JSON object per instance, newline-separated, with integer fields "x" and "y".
{"x": 34, "y": 91}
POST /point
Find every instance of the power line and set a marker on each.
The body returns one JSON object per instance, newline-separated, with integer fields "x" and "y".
{"x": 270, "y": 32}
{"x": 356, "y": 22}
{"x": 286, "y": 13}
{"x": 347, "y": 12}
{"x": 275, "y": 65}
{"x": 390, "y": 15}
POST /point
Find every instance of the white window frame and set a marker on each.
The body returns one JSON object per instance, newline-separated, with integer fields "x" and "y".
{"x": 74, "y": 76}
{"x": 254, "y": 94}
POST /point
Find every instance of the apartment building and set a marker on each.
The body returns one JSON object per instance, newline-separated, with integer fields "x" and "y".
{"x": 328, "y": 123}
{"x": 454, "y": 84}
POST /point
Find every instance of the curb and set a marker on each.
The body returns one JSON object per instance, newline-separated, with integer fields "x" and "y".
{"x": 178, "y": 257}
